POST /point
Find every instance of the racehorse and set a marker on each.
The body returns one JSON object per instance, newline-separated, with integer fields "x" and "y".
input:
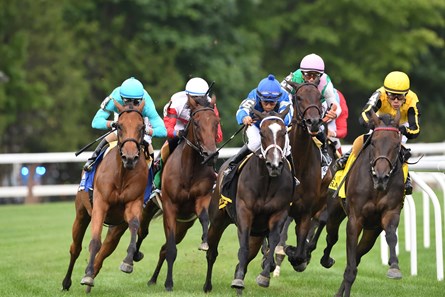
{"x": 188, "y": 180}
{"x": 374, "y": 189}
{"x": 263, "y": 196}
{"x": 310, "y": 196}
{"x": 119, "y": 185}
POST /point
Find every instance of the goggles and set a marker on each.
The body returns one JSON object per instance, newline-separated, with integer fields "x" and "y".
{"x": 135, "y": 101}
{"x": 394, "y": 96}
{"x": 268, "y": 96}
{"x": 311, "y": 74}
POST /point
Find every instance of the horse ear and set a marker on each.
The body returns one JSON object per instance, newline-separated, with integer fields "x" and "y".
{"x": 284, "y": 112}
{"x": 213, "y": 101}
{"x": 397, "y": 118}
{"x": 192, "y": 102}
{"x": 374, "y": 118}
{"x": 141, "y": 106}
{"x": 119, "y": 106}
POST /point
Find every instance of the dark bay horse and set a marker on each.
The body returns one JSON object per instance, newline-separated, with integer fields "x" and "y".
{"x": 188, "y": 180}
{"x": 310, "y": 196}
{"x": 263, "y": 196}
{"x": 119, "y": 185}
{"x": 374, "y": 199}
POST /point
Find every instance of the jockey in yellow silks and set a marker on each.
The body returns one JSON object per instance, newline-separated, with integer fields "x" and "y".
{"x": 395, "y": 94}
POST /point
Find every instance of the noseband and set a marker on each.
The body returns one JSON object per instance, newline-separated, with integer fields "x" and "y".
{"x": 301, "y": 114}
{"x": 392, "y": 164}
{"x": 273, "y": 145}
{"x": 137, "y": 142}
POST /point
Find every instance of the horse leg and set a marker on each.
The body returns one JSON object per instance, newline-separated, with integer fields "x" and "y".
{"x": 279, "y": 251}
{"x": 203, "y": 216}
{"x": 244, "y": 222}
{"x": 220, "y": 222}
{"x": 148, "y": 213}
{"x": 297, "y": 256}
{"x": 110, "y": 243}
{"x": 80, "y": 225}
{"x": 170, "y": 232}
{"x": 317, "y": 226}
{"x": 391, "y": 239}
{"x": 132, "y": 215}
{"x": 161, "y": 260}
{"x": 97, "y": 220}
{"x": 353, "y": 229}
{"x": 336, "y": 215}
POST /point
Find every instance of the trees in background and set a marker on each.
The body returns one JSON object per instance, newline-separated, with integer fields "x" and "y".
{"x": 63, "y": 57}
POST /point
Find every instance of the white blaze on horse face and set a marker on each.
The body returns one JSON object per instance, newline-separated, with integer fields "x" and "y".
{"x": 275, "y": 128}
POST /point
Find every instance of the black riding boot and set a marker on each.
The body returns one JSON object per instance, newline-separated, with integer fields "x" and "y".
{"x": 341, "y": 162}
{"x": 408, "y": 186}
{"x": 325, "y": 159}
{"x": 89, "y": 164}
{"x": 291, "y": 161}
{"x": 242, "y": 153}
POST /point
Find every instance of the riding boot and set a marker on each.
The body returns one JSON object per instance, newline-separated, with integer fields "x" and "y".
{"x": 325, "y": 159}
{"x": 90, "y": 162}
{"x": 242, "y": 153}
{"x": 341, "y": 162}
{"x": 408, "y": 186}
{"x": 291, "y": 161}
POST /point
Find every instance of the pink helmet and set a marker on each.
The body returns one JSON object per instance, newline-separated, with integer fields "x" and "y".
{"x": 312, "y": 62}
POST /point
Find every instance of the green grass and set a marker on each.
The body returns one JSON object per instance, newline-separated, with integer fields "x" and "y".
{"x": 34, "y": 256}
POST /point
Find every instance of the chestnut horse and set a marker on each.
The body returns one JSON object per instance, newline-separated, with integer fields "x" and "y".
{"x": 310, "y": 196}
{"x": 374, "y": 199}
{"x": 118, "y": 196}
{"x": 187, "y": 182}
{"x": 263, "y": 196}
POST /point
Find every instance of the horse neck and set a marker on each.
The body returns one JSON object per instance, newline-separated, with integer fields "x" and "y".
{"x": 302, "y": 143}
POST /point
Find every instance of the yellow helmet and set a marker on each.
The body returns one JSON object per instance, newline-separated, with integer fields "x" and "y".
{"x": 396, "y": 82}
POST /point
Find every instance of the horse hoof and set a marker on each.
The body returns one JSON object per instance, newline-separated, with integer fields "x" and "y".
{"x": 151, "y": 282}
{"x": 276, "y": 272}
{"x": 263, "y": 281}
{"x": 327, "y": 264}
{"x": 204, "y": 246}
{"x": 87, "y": 280}
{"x": 394, "y": 273}
{"x": 138, "y": 256}
{"x": 300, "y": 267}
{"x": 238, "y": 283}
{"x": 279, "y": 250}
{"x": 127, "y": 268}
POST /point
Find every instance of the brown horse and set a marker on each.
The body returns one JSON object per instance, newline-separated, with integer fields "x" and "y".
{"x": 310, "y": 196}
{"x": 263, "y": 196}
{"x": 118, "y": 196}
{"x": 374, "y": 199}
{"x": 188, "y": 180}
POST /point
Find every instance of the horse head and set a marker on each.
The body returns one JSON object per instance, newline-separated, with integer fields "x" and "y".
{"x": 385, "y": 148}
{"x": 130, "y": 132}
{"x": 202, "y": 130}
{"x": 273, "y": 139}
{"x": 307, "y": 104}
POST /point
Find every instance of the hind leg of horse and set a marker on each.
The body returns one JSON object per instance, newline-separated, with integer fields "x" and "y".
{"x": 336, "y": 215}
{"x": 110, "y": 243}
{"x": 390, "y": 225}
{"x": 317, "y": 226}
{"x": 148, "y": 213}
{"x": 353, "y": 229}
{"x": 80, "y": 225}
{"x": 220, "y": 222}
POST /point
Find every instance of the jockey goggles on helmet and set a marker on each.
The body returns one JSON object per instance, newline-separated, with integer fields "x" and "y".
{"x": 268, "y": 96}
{"x": 135, "y": 101}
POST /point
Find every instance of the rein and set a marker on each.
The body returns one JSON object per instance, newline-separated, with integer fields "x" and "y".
{"x": 138, "y": 143}
{"x": 273, "y": 145}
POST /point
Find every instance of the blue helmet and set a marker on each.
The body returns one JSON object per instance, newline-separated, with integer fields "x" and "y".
{"x": 269, "y": 89}
{"x": 132, "y": 89}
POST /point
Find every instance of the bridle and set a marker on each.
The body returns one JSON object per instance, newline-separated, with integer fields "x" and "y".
{"x": 392, "y": 164}
{"x": 300, "y": 115}
{"x": 139, "y": 142}
{"x": 273, "y": 145}
{"x": 196, "y": 145}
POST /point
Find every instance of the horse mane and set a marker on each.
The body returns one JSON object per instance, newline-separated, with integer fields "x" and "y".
{"x": 387, "y": 119}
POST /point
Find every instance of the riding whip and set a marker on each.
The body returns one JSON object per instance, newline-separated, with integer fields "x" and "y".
{"x": 90, "y": 144}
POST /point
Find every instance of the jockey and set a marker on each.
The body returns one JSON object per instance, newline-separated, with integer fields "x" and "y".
{"x": 268, "y": 96}
{"x": 341, "y": 124}
{"x": 395, "y": 94}
{"x": 176, "y": 118}
{"x": 312, "y": 71}
{"x": 131, "y": 91}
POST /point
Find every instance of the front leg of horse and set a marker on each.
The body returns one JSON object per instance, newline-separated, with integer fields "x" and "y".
{"x": 241, "y": 268}
{"x": 393, "y": 262}
{"x": 127, "y": 264}
{"x": 204, "y": 221}
{"x": 170, "y": 257}
{"x": 263, "y": 279}
{"x": 335, "y": 216}
{"x": 298, "y": 256}
{"x": 94, "y": 248}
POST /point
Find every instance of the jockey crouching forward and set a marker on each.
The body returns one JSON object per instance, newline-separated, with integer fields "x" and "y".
{"x": 395, "y": 94}
{"x": 130, "y": 92}
{"x": 176, "y": 118}
{"x": 268, "y": 96}
{"x": 312, "y": 71}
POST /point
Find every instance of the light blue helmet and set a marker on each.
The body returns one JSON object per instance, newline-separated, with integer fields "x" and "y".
{"x": 269, "y": 89}
{"x": 132, "y": 89}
